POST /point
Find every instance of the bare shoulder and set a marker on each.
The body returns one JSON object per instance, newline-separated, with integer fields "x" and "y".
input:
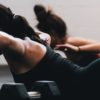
{"x": 34, "y": 51}
{"x": 34, "y": 46}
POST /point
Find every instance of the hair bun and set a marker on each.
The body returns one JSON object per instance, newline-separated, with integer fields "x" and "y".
{"x": 40, "y": 12}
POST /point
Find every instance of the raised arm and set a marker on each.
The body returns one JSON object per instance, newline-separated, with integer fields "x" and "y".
{"x": 21, "y": 55}
{"x": 9, "y": 42}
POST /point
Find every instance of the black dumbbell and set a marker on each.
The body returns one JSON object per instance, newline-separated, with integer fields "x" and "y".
{"x": 48, "y": 89}
{"x": 15, "y": 91}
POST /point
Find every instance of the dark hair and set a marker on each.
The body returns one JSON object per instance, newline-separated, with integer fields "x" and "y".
{"x": 40, "y": 10}
{"x": 16, "y": 25}
{"x": 6, "y": 17}
{"x": 49, "y": 22}
{"x": 22, "y": 29}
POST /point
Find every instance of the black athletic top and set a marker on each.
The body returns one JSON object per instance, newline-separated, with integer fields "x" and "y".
{"x": 71, "y": 79}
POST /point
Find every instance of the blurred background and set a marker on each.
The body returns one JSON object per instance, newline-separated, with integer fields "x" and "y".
{"x": 81, "y": 16}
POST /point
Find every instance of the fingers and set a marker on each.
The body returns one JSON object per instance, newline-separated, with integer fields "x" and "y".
{"x": 61, "y": 47}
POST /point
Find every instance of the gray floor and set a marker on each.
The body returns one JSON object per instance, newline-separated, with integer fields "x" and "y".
{"x": 5, "y": 75}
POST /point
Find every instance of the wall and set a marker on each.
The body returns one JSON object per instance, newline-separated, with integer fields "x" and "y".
{"x": 81, "y": 16}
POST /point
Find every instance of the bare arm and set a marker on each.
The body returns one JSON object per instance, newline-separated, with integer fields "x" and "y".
{"x": 95, "y": 47}
{"x": 77, "y": 41}
{"x": 29, "y": 51}
{"x": 85, "y": 45}
{"x": 8, "y": 41}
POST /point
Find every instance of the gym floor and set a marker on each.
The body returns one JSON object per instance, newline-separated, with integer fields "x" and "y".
{"x": 5, "y": 75}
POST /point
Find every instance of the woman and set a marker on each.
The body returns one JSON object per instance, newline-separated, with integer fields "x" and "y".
{"x": 53, "y": 25}
{"x": 30, "y": 61}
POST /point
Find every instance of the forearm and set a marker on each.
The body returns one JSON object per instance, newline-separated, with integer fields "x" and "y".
{"x": 90, "y": 48}
{"x": 77, "y": 41}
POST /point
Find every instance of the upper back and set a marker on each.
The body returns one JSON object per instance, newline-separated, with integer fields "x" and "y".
{"x": 20, "y": 61}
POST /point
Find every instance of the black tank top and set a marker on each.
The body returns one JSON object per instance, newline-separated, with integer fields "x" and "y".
{"x": 49, "y": 68}
{"x": 71, "y": 79}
